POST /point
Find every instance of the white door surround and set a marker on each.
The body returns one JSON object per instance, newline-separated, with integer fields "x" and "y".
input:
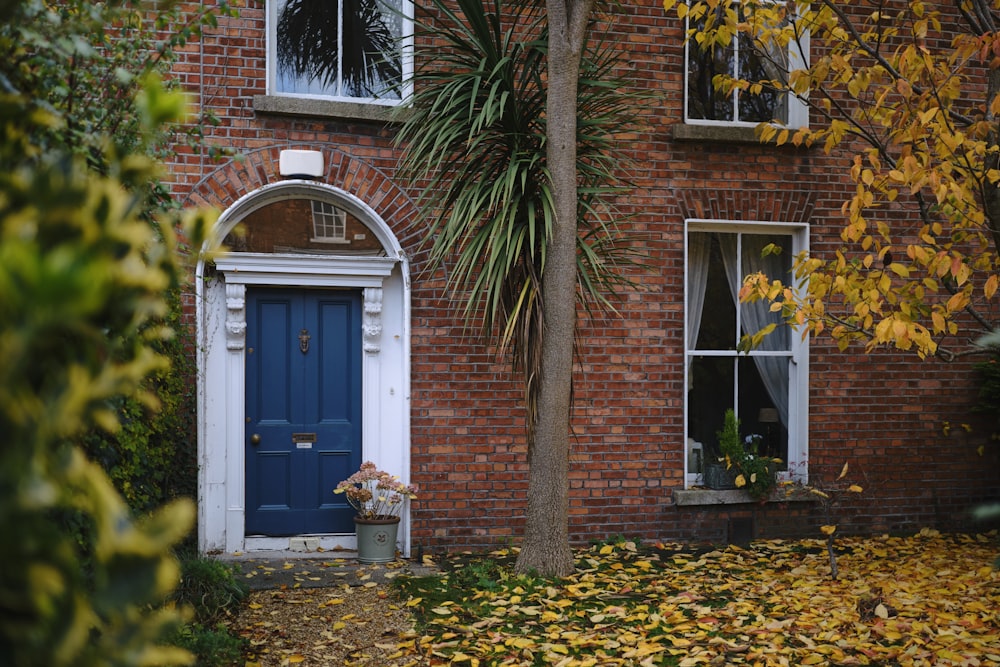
{"x": 221, "y": 332}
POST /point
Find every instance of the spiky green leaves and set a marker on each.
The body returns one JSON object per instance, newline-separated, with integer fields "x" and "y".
{"x": 476, "y": 155}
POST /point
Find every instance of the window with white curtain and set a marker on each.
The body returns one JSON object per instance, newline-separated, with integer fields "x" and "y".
{"x": 767, "y": 386}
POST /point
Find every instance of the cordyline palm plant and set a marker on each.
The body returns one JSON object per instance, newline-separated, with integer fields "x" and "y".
{"x": 475, "y": 148}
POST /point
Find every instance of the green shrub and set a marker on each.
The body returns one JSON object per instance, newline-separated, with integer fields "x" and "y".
{"x": 210, "y": 587}
{"x": 151, "y": 458}
{"x": 83, "y": 277}
{"x": 211, "y": 647}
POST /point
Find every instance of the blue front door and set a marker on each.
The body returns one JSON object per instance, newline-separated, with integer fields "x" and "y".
{"x": 303, "y": 409}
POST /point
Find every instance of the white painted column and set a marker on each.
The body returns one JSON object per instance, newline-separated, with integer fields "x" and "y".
{"x": 236, "y": 334}
{"x": 371, "y": 327}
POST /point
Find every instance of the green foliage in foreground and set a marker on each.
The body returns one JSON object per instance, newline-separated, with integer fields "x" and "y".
{"x": 152, "y": 457}
{"x": 923, "y": 599}
{"x": 83, "y": 277}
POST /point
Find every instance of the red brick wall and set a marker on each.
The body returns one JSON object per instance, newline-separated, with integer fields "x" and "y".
{"x": 882, "y": 412}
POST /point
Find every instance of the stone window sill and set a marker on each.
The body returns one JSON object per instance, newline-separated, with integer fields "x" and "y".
{"x": 727, "y": 134}
{"x": 696, "y": 497}
{"x": 278, "y": 105}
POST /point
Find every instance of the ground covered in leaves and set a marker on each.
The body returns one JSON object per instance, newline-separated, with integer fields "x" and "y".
{"x": 929, "y": 599}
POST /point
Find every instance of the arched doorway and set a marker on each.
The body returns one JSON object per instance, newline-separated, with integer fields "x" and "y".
{"x": 303, "y": 366}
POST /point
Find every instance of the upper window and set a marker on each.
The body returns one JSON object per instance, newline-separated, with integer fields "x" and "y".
{"x": 339, "y": 49}
{"x": 743, "y": 58}
{"x": 767, "y": 387}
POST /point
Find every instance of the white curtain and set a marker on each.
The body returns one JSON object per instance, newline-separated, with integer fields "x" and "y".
{"x": 699, "y": 244}
{"x": 755, "y": 316}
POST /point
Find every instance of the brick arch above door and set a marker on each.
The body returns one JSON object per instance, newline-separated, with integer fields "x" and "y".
{"x": 237, "y": 179}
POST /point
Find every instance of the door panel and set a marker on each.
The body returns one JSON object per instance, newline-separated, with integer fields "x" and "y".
{"x": 304, "y": 402}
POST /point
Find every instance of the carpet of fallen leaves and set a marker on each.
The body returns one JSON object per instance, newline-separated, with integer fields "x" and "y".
{"x": 929, "y": 599}
{"x": 352, "y": 625}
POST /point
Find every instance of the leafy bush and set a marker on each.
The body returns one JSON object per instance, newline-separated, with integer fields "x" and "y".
{"x": 210, "y": 587}
{"x": 151, "y": 458}
{"x": 83, "y": 276}
{"x": 213, "y": 591}
{"x": 211, "y": 647}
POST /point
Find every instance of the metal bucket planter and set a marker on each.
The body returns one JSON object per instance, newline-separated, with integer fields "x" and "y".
{"x": 716, "y": 476}
{"x": 376, "y": 539}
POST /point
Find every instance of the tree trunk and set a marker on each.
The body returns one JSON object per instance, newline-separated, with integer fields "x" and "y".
{"x": 546, "y": 548}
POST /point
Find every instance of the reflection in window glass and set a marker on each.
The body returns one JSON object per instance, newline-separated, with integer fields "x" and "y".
{"x": 742, "y": 59}
{"x": 339, "y": 48}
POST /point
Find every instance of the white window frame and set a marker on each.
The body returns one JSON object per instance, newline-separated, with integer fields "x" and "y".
{"x": 406, "y": 46}
{"x": 798, "y": 110}
{"x": 329, "y": 223}
{"x": 798, "y": 385}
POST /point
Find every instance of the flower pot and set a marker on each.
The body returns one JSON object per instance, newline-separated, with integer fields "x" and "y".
{"x": 376, "y": 539}
{"x": 716, "y": 476}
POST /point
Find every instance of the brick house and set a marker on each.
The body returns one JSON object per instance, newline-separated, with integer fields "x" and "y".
{"x": 323, "y": 340}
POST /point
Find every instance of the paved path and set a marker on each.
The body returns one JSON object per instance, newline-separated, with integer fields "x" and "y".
{"x": 318, "y": 569}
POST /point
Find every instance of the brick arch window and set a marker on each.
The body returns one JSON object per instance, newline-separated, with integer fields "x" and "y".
{"x": 767, "y": 386}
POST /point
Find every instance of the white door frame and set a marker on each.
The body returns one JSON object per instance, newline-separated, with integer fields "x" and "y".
{"x": 221, "y": 334}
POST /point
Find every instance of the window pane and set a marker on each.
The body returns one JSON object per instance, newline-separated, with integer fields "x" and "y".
{"x": 704, "y": 102}
{"x": 313, "y": 59}
{"x": 767, "y": 105}
{"x": 776, "y": 266}
{"x": 718, "y": 317}
{"x": 763, "y": 403}
{"x": 710, "y": 394}
{"x": 758, "y": 61}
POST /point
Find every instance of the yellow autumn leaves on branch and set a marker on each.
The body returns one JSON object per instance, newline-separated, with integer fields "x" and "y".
{"x": 913, "y": 128}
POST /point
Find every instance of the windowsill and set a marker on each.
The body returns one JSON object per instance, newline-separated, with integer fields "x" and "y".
{"x": 279, "y": 105}
{"x": 729, "y": 134}
{"x": 696, "y": 497}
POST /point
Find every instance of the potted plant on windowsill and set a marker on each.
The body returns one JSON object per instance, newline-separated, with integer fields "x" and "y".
{"x": 379, "y": 499}
{"x": 740, "y": 465}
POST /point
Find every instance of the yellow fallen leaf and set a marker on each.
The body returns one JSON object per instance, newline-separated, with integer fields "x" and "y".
{"x": 828, "y": 530}
{"x": 881, "y": 611}
{"x": 854, "y": 488}
{"x": 296, "y": 658}
{"x": 741, "y": 481}
{"x": 843, "y": 471}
